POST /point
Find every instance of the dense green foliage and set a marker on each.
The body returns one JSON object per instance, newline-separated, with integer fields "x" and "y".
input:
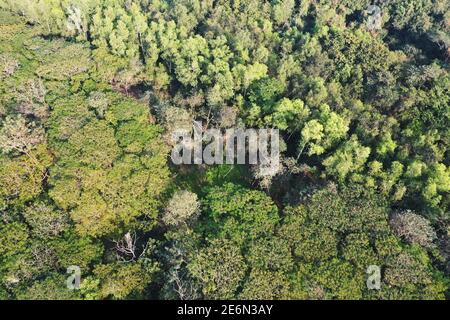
{"x": 90, "y": 91}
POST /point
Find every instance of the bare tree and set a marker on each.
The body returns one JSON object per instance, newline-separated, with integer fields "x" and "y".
{"x": 126, "y": 247}
{"x": 30, "y": 96}
{"x": 413, "y": 228}
{"x": 184, "y": 288}
{"x": 17, "y": 135}
{"x": 180, "y": 284}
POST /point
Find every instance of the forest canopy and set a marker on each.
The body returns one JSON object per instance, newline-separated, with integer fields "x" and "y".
{"x": 91, "y": 90}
